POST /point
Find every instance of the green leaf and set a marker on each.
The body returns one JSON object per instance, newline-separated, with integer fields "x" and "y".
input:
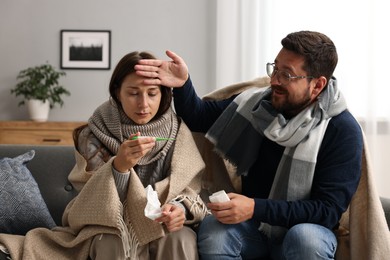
{"x": 42, "y": 83}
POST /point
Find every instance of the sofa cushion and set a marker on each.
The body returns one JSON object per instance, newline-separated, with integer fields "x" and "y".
{"x": 21, "y": 204}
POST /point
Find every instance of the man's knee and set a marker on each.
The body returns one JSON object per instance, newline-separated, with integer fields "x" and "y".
{"x": 215, "y": 238}
{"x": 309, "y": 240}
{"x": 211, "y": 230}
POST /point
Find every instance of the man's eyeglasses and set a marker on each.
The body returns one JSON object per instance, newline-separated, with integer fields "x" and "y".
{"x": 282, "y": 76}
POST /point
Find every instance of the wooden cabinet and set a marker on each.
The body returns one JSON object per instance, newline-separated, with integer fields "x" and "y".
{"x": 37, "y": 133}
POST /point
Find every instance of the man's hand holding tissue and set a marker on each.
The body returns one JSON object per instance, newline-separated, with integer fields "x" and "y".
{"x": 172, "y": 216}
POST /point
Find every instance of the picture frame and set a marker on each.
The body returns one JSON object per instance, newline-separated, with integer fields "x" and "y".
{"x": 85, "y": 49}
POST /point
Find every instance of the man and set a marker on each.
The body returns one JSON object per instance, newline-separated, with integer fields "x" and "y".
{"x": 296, "y": 146}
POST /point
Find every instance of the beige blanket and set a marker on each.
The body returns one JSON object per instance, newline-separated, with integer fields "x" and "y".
{"x": 369, "y": 236}
{"x": 97, "y": 209}
{"x": 363, "y": 232}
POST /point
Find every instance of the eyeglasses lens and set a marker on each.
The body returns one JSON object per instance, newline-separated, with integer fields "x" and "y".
{"x": 270, "y": 69}
{"x": 282, "y": 76}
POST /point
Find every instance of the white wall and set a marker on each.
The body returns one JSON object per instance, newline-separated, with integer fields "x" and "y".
{"x": 30, "y": 35}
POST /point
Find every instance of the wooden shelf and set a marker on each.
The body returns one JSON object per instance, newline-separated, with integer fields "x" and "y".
{"x": 37, "y": 133}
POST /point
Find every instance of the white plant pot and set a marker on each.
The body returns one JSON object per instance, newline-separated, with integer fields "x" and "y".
{"x": 38, "y": 110}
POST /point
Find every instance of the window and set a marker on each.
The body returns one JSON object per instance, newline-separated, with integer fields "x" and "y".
{"x": 249, "y": 34}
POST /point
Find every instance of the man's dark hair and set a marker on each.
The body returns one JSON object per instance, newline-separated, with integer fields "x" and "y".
{"x": 317, "y": 49}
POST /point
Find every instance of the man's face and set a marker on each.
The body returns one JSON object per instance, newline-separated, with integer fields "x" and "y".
{"x": 291, "y": 98}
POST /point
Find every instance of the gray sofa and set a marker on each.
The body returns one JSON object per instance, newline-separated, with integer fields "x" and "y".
{"x": 51, "y": 166}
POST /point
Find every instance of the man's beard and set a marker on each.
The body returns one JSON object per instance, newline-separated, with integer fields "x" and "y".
{"x": 289, "y": 108}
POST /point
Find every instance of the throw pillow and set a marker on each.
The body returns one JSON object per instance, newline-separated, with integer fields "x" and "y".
{"x": 22, "y": 207}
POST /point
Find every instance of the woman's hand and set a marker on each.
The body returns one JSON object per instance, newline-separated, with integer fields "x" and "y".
{"x": 173, "y": 217}
{"x": 131, "y": 151}
{"x": 172, "y": 73}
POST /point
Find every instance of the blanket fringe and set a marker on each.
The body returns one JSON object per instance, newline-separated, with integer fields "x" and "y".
{"x": 197, "y": 205}
{"x": 129, "y": 239}
{"x": 5, "y": 251}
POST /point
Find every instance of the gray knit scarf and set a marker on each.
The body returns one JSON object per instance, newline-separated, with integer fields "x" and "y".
{"x": 112, "y": 126}
{"x": 240, "y": 130}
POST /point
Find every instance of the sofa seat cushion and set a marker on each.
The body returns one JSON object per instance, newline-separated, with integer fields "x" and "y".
{"x": 21, "y": 204}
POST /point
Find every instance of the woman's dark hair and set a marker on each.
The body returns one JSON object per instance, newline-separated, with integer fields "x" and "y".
{"x": 125, "y": 67}
{"x": 317, "y": 49}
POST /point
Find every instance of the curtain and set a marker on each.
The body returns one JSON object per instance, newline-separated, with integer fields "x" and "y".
{"x": 248, "y": 36}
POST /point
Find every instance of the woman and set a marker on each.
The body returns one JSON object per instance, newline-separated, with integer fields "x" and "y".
{"x": 114, "y": 167}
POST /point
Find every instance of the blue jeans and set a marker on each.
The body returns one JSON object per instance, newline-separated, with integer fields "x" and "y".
{"x": 245, "y": 241}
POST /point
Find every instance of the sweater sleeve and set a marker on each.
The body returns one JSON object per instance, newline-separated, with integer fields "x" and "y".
{"x": 121, "y": 182}
{"x": 336, "y": 178}
{"x": 199, "y": 115}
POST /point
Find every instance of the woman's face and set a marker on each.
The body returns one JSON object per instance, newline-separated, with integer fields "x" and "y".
{"x": 140, "y": 102}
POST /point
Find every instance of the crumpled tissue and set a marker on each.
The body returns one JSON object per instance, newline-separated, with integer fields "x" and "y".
{"x": 152, "y": 209}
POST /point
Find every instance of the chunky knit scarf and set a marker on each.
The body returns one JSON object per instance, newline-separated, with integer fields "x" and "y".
{"x": 112, "y": 126}
{"x": 240, "y": 130}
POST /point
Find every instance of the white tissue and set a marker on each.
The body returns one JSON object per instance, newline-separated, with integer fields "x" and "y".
{"x": 219, "y": 196}
{"x": 152, "y": 209}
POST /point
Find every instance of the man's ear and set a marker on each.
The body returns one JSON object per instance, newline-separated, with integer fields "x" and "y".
{"x": 319, "y": 85}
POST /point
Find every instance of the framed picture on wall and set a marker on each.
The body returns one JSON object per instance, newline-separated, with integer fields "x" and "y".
{"x": 85, "y": 49}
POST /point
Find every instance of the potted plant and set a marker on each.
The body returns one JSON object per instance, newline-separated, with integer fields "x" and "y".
{"x": 39, "y": 87}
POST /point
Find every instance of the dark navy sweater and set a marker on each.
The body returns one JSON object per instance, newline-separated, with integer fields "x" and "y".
{"x": 336, "y": 176}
